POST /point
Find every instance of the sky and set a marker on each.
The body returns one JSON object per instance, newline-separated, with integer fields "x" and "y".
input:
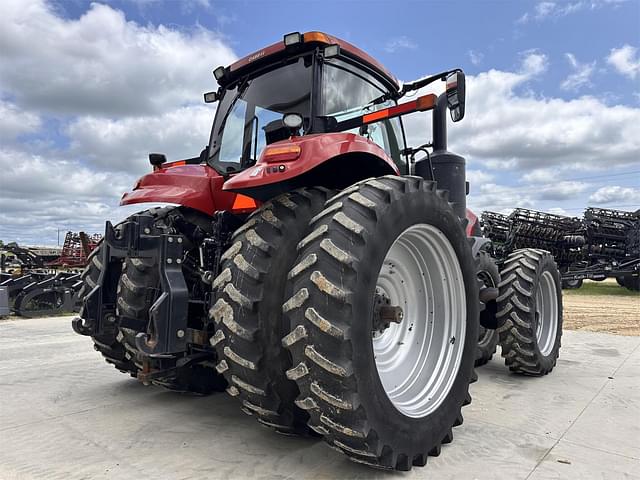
{"x": 88, "y": 89}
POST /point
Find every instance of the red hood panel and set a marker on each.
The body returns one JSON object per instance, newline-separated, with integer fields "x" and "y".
{"x": 195, "y": 186}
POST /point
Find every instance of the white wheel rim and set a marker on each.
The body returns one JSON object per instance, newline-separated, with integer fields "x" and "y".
{"x": 546, "y": 313}
{"x": 418, "y": 359}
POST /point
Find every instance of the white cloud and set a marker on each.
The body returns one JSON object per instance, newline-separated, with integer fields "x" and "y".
{"x": 534, "y": 63}
{"x": 498, "y": 198}
{"x": 40, "y": 194}
{"x": 540, "y": 175}
{"x": 506, "y": 130}
{"x": 123, "y": 144}
{"x": 15, "y": 122}
{"x": 554, "y": 10}
{"x": 625, "y": 60}
{"x": 101, "y": 63}
{"x": 475, "y": 57}
{"x": 544, "y": 9}
{"x": 581, "y": 76}
{"x": 115, "y": 90}
{"x": 616, "y": 194}
{"x": 46, "y": 177}
{"x": 559, "y": 211}
{"x": 479, "y": 176}
{"x": 400, "y": 43}
{"x": 560, "y": 190}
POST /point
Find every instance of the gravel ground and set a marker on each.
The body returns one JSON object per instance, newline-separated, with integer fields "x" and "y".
{"x": 602, "y": 307}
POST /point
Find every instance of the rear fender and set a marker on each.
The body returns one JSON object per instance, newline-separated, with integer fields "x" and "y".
{"x": 332, "y": 160}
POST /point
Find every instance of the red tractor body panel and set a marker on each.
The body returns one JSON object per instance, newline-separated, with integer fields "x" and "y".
{"x": 318, "y": 38}
{"x": 195, "y": 186}
{"x": 313, "y": 150}
{"x": 473, "y": 225}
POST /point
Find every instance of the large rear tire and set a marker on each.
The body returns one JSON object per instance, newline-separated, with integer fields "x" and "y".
{"x": 530, "y": 312}
{"x": 385, "y": 394}
{"x": 249, "y": 293}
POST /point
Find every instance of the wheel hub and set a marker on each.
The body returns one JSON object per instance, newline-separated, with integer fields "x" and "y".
{"x": 384, "y": 314}
{"x": 421, "y": 296}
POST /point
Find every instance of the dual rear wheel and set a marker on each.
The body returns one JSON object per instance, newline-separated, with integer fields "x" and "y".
{"x": 380, "y": 318}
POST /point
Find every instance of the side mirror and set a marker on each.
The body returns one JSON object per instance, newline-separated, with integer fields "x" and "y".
{"x": 211, "y": 97}
{"x": 456, "y": 95}
{"x": 157, "y": 159}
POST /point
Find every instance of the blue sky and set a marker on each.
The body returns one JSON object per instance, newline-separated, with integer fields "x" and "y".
{"x": 414, "y": 38}
{"x": 553, "y": 119}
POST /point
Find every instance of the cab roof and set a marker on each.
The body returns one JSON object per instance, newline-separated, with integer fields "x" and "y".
{"x": 310, "y": 39}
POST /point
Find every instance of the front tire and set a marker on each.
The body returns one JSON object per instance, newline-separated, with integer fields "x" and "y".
{"x": 399, "y": 238}
{"x": 530, "y": 312}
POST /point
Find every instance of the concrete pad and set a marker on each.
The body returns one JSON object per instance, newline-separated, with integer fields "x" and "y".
{"x": 567, "y": 460}
{"x": 65, "y": 413}
{"x": 549, "y": 405}
{"x": 612, "y": 421}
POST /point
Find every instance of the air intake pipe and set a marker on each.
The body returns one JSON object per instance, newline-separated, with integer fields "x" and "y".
{"x": 449, "y": 169}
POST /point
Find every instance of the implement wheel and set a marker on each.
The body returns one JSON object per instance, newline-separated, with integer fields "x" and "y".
{"x": 571, "y": 284}
{"x": 632, "y": 282}
{"x": 530, "y": 312}
{"x": 247, "y": 313}
{"x": 384, "y": 316}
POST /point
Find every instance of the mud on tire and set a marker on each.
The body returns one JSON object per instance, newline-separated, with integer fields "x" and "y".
{"x": 247, "y": 313}
{"x": 530, "y": 312}
{"x": 331, "y": 307}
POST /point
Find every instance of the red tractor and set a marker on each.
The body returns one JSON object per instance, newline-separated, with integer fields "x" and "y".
{"x": 316, "y": 267}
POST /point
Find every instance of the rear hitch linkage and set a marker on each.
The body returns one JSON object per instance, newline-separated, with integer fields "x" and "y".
{"x": 136, "y": 238}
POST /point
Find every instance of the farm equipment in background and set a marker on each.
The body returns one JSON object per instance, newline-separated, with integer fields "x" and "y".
{"x": 52, "y": 295}
{"x": 325, "y": 273}
{"x": 76, "y": 249}
{"x": 496, "y": 227}
{"x": 603, "y": 244}
{"x": 610, "y": 248}
{"x": 46, "y": 285}
{"x": 17, "y": 259}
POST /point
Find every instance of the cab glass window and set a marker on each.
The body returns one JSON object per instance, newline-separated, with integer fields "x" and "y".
{"x": 347, "y": 92}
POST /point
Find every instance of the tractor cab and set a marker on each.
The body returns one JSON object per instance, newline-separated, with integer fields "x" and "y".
{"x": 301, "y": 86}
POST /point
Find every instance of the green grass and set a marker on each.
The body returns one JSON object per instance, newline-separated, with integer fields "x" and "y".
{"x": 607, "y": 287}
